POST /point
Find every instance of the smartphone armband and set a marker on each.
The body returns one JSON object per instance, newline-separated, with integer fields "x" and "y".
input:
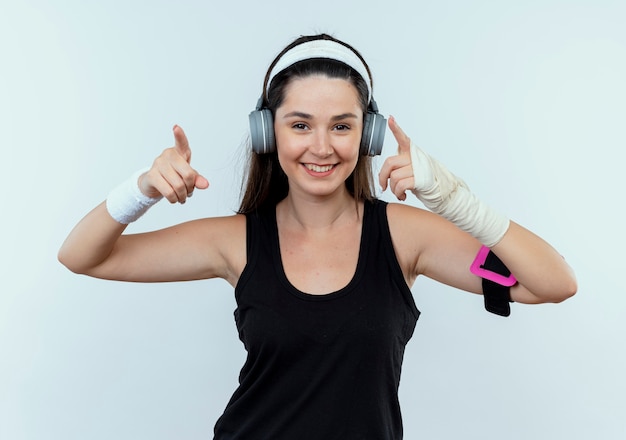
{"x": 497, "y": 280}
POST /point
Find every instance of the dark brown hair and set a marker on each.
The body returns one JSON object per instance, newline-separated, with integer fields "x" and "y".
{"x": 265, "y": 183}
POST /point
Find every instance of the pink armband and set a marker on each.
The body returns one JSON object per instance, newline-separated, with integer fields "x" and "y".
{"x": 496, "y": 280}
{"x": 479, "y": 268}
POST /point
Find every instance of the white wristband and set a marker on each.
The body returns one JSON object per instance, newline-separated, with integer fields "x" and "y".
{"x": 445, "y": 194}
{"x": 126, "y": 203}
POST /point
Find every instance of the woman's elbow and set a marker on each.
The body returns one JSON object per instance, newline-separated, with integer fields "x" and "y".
{"x": 570, "y": 288}
{"x": 72, "y": 262}
{"x": 68, "y": 263}
{"x": 556, "y": 292}
{"x": 563, "y": 285}
{"x": 564, "y": 290}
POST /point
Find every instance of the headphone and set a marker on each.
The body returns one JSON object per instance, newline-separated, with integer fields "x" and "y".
{"x": 262, "y": 121}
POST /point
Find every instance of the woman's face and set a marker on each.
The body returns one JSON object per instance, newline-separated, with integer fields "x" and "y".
{"x": 318, "y": 131}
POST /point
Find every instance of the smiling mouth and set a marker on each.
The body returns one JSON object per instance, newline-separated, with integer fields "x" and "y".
{"x": 318, "y": 168}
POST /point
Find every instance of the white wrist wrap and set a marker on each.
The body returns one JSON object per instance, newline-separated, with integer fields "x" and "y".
{"x": 445, "y": 194}
{"x": 126, "y": 203}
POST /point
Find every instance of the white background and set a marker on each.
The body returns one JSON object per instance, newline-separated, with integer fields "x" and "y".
{"x": 524, "y": 100}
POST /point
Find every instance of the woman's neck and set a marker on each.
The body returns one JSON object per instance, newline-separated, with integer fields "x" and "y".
{"x": 314, "y": 213}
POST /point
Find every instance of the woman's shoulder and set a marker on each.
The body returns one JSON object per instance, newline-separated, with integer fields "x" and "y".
{"x": 405, "y": 220}
{"x": 226, "y": 237}
{"x": 228, "y": 223}
{"x": 403, "y": 211}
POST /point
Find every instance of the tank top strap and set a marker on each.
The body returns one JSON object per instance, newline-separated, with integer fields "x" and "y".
{"x": 258, "y": 228}
{"x": 386, "y": 252}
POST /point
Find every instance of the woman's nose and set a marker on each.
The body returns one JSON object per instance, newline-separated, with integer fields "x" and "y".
{"x": 322, "y": 145}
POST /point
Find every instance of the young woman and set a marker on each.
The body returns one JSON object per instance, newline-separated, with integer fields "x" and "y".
{"x": 321, "y": 268}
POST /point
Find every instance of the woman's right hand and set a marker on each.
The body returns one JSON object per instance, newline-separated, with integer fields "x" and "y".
{"x": 171, "y": 174}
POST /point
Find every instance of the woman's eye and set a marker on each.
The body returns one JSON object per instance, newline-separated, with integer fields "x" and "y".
{"x": 299, "y": 126}
{"x": 342, "y": 127}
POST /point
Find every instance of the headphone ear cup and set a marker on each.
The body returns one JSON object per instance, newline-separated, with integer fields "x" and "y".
{"x": 262, "y": 131}
{"x": 374, "y": 126}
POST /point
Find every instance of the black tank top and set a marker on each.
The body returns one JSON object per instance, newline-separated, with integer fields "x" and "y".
{"x": 320, "y": 367}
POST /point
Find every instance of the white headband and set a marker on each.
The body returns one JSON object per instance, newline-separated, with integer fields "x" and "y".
{"x": 321, "y": 49}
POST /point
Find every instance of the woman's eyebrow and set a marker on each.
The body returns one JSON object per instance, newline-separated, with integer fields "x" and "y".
{"x": 298, "y": 114}
{"x": 303, "y": 115}
{"x": 344, "y": 116}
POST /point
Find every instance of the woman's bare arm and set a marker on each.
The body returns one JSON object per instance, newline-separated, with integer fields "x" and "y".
{"x": 431, "y": 245}
{"x": 200, "y": 249}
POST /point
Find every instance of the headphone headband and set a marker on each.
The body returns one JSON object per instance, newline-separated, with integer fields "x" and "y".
{"x": 321, "y": 49}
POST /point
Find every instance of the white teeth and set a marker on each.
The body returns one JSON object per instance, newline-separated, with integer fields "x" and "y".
{"x": 318, "y": 169}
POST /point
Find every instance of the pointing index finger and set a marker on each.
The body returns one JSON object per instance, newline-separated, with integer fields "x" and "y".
{"x": 404, "y": 142}
{"x": 182, "y": 144}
